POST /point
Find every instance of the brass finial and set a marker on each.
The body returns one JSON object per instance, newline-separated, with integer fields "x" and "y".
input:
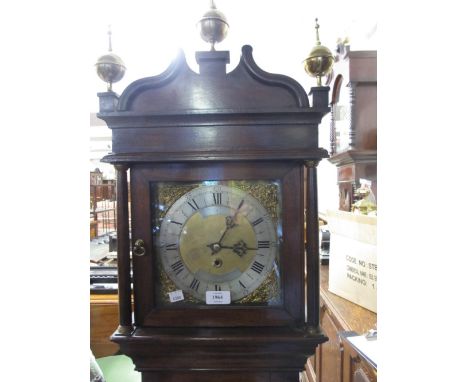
{"x": 320, "y": 60}
{"x": 213, "y": 26}
{"x": 110, "y": 68}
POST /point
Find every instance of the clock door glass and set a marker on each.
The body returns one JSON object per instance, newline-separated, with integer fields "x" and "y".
{"x": 217, "y": 236}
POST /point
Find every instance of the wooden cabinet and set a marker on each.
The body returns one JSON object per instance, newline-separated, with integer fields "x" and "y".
{"x": 328, "y": 355}
{"x": 355, "y": 368}
{"x": 104, "y": 318}
{"x": 338, "y": 315}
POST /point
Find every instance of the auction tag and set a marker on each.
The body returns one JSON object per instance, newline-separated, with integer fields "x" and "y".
{"x": 175, "y": 296}
{"x": 221, "y": 297}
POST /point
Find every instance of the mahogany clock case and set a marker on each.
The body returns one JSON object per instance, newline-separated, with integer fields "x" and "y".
{"x": 182, "y": 126}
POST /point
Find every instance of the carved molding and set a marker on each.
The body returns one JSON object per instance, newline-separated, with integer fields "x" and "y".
{"x": 188, "y": 89}
{"x": 354, "y": 156}
{"x": 138, "y": 86}
{"x": 271, "y": 79}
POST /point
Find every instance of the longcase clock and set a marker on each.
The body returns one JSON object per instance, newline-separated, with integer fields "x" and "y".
{"x": 354, "y": 122}
{"x": 224, "y": 226}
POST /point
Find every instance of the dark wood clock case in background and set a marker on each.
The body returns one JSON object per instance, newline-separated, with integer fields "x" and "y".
{"x": 246, "y": 124}
{"x": 355, "y": 73}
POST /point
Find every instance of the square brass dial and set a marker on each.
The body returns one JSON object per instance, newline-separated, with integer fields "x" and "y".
{"x": 217, "y": 236}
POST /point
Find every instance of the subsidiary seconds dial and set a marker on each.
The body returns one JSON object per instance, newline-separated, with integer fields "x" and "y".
{"x": 217, "y": 238}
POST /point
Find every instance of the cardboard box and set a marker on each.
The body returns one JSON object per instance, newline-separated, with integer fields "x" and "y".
{"x": 353, "y": 257}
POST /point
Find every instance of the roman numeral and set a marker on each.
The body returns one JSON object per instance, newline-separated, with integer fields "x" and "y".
{"x": 178, "y": 267}
{"x": 258, "y": 221}
{"x": 217, "y": 198}
{"x": 173, "y": 221}
{"x": 195, "y": 284}
{"x": 217, "y": 287}
{"x": 240, "y": 204}
{"x": 242, "y": 285}
{"x": 263, "y": 244}
{"x": 194, "y": 205}
{"x": 257, "y": 267}
{"x": 171, "y": 247}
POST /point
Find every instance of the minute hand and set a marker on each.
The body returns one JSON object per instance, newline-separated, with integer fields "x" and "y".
{"x": 230, "y": 222}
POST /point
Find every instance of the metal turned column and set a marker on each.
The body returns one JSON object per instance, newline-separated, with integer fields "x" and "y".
{"x": 312, "y": 247}
{"x": 123, "y": 252}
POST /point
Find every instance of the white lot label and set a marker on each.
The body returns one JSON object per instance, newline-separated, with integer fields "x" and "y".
{"x": 218, "y": 297}
{"x": 175, "y": 296}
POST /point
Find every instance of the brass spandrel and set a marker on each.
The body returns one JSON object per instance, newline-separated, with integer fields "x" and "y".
{"x": 268, "y": 290}
{"x": 265, "y": 192}
{"x": 168, "y": 193}
{"x": 167, "y": 286}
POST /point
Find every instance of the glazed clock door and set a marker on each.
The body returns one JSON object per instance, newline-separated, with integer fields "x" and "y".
{"x": 217, "y": 244}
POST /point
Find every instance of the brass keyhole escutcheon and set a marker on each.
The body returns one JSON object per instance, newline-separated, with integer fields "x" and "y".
{"x": 139, "y": 248}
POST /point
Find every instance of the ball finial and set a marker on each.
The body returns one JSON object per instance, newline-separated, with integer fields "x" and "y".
{"x": 320, "y": 60}
{"x": 213, "y": 26}
{"x": 109, "y": 67}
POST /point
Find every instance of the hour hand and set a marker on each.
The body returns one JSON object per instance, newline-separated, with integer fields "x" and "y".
{"x": 240, "y": 248}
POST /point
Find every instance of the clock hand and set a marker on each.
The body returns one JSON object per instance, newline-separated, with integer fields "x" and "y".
{"x": 230, "y": 223}
{"x": 231, "y": 220}
{"x": 215, "y": 248}
{"x": 237, "y": 245}
{"x": 240, "y": 248}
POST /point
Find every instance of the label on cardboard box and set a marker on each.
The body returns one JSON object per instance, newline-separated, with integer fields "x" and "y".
{"x": 353, "y": 259}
